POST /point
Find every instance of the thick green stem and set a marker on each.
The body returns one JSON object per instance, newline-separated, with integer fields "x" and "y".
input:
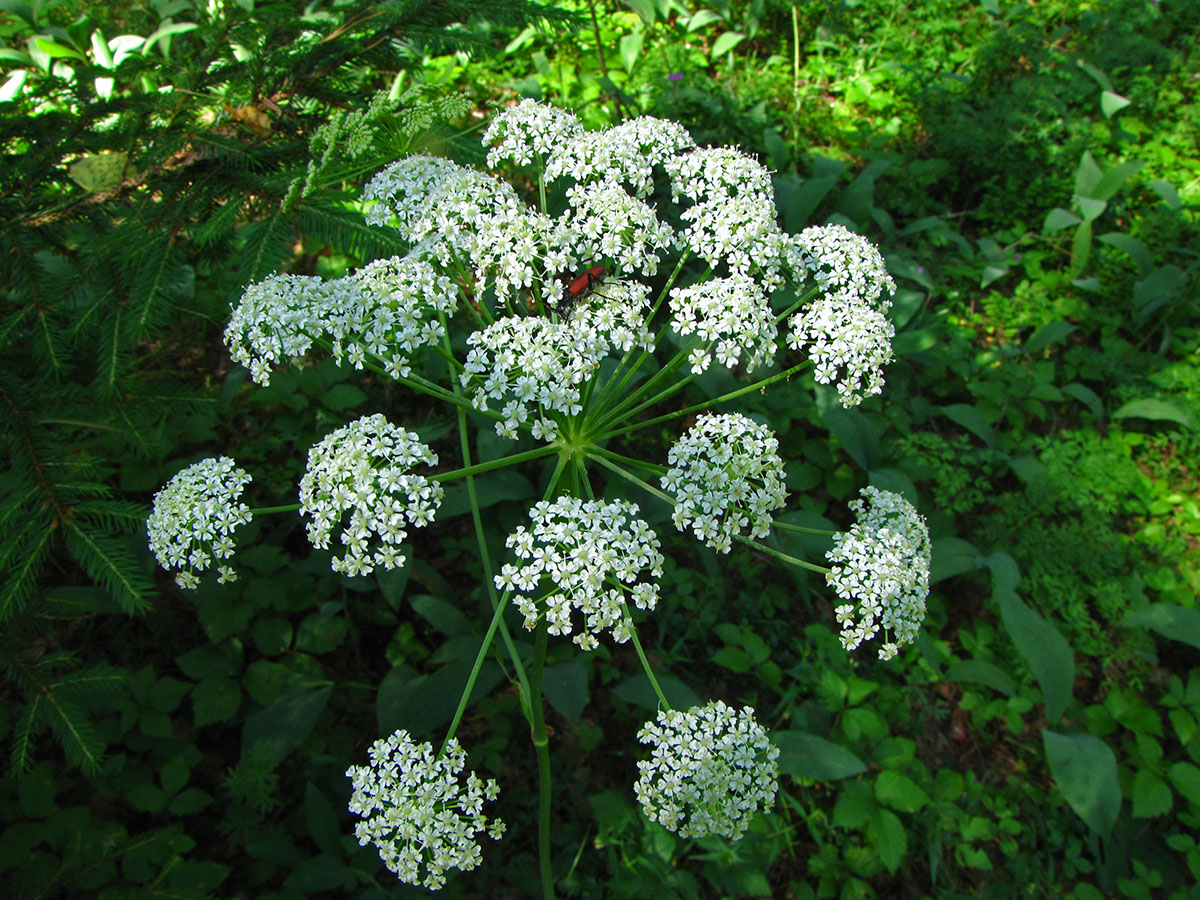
{"x": 782, "y": 557}
{"x": 484, "y": 648}
{"x": 541, "y": 744}
{"x": 270, "y": 510}
{"x": 601, "y": 456}
{"x": 479, "y": 468}
{"x": 637, "y": 645}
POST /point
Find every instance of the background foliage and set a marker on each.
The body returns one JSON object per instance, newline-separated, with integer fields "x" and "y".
{"x": 1032, "y": 172}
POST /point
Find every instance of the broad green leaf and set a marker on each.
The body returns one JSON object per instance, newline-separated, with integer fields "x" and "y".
{"x": 951, "y": 556}
{"x": 321, "y": 873}
{"x": 444, "y": 616}
{"x": 189, "y": 802}
{"x": 173, "y": 774}
{"x": 1087, "y": 175}
{"x": 1098, "y": 74}
{"x": 701, "y": 18}
{"x": 421, "y": 703}
{"x": 319, "y": 633}
{"x": 644, "y": 9}
{"x": 1085, "y": 770}
{"x": 726, "y": 42}
{"x": 857, "y": 434}
{"x": 19, "y": 57}
{"x": 899, "y": 792}
{"x": 733, "y": 658}
{"x": 1086, "y": 396}
{"x": 566, "y": 687}
{"x": 636, "y": 689}
{"x": 20, "y": 9}
{"x": 1040, "y": 643}
{"x": 321, "y": 820}
{"x": 980, "y": 672}
{"x": 1151, "y": 796}
{"x": 630, "y": 49}
{"x": 1186, "y": 778}
{"x": 1058, "y": 219}
{"x": 1176, "y": 622}
{"x": 1158, "y": 283}
{"x": 215, "y": 700}
{"x": 342, "y": 397}
{"x": 1156, "y": 410}
{"x": 165, "y": 31}
{"x": 854, "y": 806}
{"x": 971, "y": 419}
{"x": 1050, "y": 333}
{"x": 804, "y": 755}
{"x": 55, "y": 50}
{"x": 279, "y": 729}
{"x": 1111, "y": 103}
{"x": 1091, "y": 208}
{"x": 1137, "y": 250}
{"x": 1114, "y": 178}
{"x": 885, "y": 834}
{"x": 146, "y": 797}
{"x": 1081, "y": 249}
{"x": 100, "y": 50}
{"x": 1167, "y": 192}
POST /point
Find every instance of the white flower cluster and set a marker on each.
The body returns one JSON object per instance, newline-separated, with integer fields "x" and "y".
{"x": 593, "y": 553}
{"x": 618, "y": 316}
{"x": 388, "y": 309}
{"x": 528, "y": 129}
{"x": 363, "y": 469}
{"x": 881, "y": 565}
{"x": 847, "y": 326}
{"x": 711, "y": 769}
{"x": 845, "y": 265}
{"x": 718, "y": 174}
{"x": 624, "y": 154}
{"x": 732, "y": 313}
{"x": 533, "y": 362}
{"x": 520, "y": 250}
{"x": 610, "y": 224}
{"x": 419, "y": 812}
{"x": 727, "y": 478}
{"x": 194, "y": 518}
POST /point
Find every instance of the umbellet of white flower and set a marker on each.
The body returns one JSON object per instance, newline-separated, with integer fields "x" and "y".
{"x": 593, "y": 554}
{"x": 881, "y": 565}
{"x": 435, "y": 197}
{"x": 734, "y": 314}
{"x": 726, "y": 478}
{"x": 719, "y": 174}
{"x": 528, "y": 130}
{"x": 363, "y": 471}
{"x": 194, "y": 518}
{"x": 519, "y": 250}
{"x": 535, "y": 366}
{"x": 711, "y": 769}
{"x": 739, "y": 234}
{"x": 845, "y": 265}
{"x": 419, "y": 812}
{"x": 625, "y": 154}
{"x": 610, "y": 224}
{"x": 849, "y": 343}
{"x": 277, "y": 320}
{"x": 616, "y": 311}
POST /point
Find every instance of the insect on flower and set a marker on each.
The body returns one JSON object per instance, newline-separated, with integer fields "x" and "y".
{"x": 578, "y": 288}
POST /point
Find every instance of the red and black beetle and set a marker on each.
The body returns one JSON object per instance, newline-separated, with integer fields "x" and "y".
{"x": 578, "y": 288}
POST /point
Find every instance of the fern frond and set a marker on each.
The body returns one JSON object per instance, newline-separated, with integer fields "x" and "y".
{"x": 345, "y": 231}
{"x": 110, "y": 565}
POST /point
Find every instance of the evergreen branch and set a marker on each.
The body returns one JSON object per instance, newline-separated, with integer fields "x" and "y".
{"x": 22, "y": 741}
{"x": 77, "y": 736}
{"x": 19, "y": 586}
{"x": 110, "y": 566}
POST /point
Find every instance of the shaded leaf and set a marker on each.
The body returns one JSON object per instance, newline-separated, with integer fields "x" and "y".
{"x": 804, "y": 755}
{"x": 1085, "y": 770}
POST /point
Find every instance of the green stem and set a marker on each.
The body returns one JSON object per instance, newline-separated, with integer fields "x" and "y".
{"x": 800, "y": 529}
{"x": 541, "y": 744}
{"x": 783, "y": 557}
{"x": 469, "y": 472}
{"x": 732, "y": 395}
{"x": 601, "y": 456}
{"x": 637, "y": 645}
{"x": 484, "y": 648}
{"x": 269, "y": 510}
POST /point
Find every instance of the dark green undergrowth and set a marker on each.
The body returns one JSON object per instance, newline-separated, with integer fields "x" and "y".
{"x": 1030, "y": 172}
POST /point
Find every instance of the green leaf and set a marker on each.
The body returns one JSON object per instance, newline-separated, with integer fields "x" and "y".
{"x": 1151, "y": 796}
{"x": 1114, "y": 178}
{"x": 733, "y": 658}
{"x": 700, "y": 18}
{"x": 319, "y": 633}
{"x": 422, "y": 703}
{"x": 11, "y": 89}
{"x": 279, "y": 729}
{"x": 951, "y": 556}
{"x": 1085, "y": 770}
{"x": 190, "y": 802}
{"x": 970, "y": 418}
{"x": 630, "y": 49}
{"x": 1167, "y": 192}
{"x": 1155, "y": 410}
{"x": 1050, "y": 333}
{"x": 1087, "y": 175}
{"x": 885, "y": 834}
{"x": 98, "y": 172}
{"x": 342, "y": 397}
{"x": 167, "y": 30}
{"x": 1136, "y": 249}
{"x": 443, "y": 616}
{"x": 146, "y": 797}
{"x": 804, "y": 755}
{"x": 100, "y": 50}
{"x": 1058, "y": 219}
{"x": 321, "y": 873}
{"x": 854, "y": 805}
{"x": 174, "y": 774}
{"x": 1081, "y": 249}
{"x": 215, "y": 700}
{"x": 1086, "y": 396}
{"x": 55, "y": 50}
{"x": 1091, "y": 208}
{"x": 322, "y": 821}
{"x": 899, "y": 792}
{"x": 1176, "y": 622}
{"x": 566, "y": 687}
{"x": 636, "y": 689}
{"x": 726, "y": 42}
{"x": 644, "y": 9}
{"x": 1186, "y": 778}
{"x": 980, "y": 672}
{"x": 1040, "y": 643}
{"x": 856, "y": 434}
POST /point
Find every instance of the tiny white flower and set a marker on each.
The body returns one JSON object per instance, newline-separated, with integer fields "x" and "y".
{"x": 881, "y": 565}
{"x": 727, "y": 479}
{"x": 528, "y": 129}
{"x": 194, "y": 518}
{"x": 420, "y": 812}
{"x": 711, "y": 769}
{"x": 733, "y": 315}
{"x": 592, "y": 554}
{"x": 362, "y": 472}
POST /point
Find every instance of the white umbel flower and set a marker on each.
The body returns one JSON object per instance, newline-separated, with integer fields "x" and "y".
{"x": 727, "y": 478}
{"x": 881, "y": 565}
{"x": 625, "y": 154}
{"x": 362, "y": 472}
{"x": 739, "y": 234}
{"x": 277, "y": 320}
{"x": 845, "y": 265}
{"x": 849, "y": 343}
{"x": 527, "y": 131}
{"x": 610, "y": 224}
{"x": 732, "y": 315}
{"x": 719, "y": 174}
{"x": 711, "y": 770}
{"x": 194, "y": 518}
{"x": 419, "y": 811}
{"x": 593, "y": 554}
